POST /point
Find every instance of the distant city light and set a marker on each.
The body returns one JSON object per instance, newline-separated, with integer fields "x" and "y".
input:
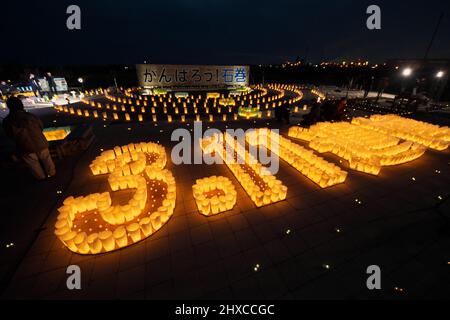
{"x": 440, "y": 74}
{"x": 407, "y": 72}
{"x": 80, "y": 80}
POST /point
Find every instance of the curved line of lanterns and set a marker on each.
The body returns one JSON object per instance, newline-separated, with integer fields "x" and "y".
{"x": 93, "y": 224}
{"x": 169, "y": 107}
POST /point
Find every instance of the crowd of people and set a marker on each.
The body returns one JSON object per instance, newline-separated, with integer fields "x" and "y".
{"x": 7, "y": 89}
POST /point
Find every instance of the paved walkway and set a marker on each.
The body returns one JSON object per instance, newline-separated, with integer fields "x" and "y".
{"x": 316, "y": 244}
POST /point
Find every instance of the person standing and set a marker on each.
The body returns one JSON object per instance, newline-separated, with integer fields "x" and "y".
{"x": 5, "y": 89}
{"x": 51, "y": 84}
{"x": 340, "y": 109}
{"x": 32, "y": 146}
{"x": 35, "y": 86}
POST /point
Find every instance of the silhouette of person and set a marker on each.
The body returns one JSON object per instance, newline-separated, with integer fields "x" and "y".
{"x": 32, "y": 146}
{"x": 35, "y": 86}
{"x": 51, "y": 84}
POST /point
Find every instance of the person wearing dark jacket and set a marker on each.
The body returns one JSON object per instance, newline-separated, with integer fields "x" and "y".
{"x": 32, "y": 146}
{"x": 35, "y": 86}
{"x": 51, "y": 84}
{"x": 5, "y": 89}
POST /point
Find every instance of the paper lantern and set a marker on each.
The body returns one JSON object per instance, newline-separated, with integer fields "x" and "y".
{"x": 320, "y": 171}
{"x": 365, "y": 148}
{"x": 214, "y": 195}
{"x": 256, "y": 180}
{"x": 120, "y": 237}
{"x": 92, "y": 225}
{"x": 429, "y": 135}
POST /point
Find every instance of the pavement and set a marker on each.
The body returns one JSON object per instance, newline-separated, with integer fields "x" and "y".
{"x": 315, "y": 245}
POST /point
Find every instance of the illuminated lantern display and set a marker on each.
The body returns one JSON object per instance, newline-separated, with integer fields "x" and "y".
{"x": 260, "y": 185}
{"x": 319, "y": 94}
{"x": 93, "y": 224}
{"x": 213, "y": 95}
{"x": 227, "y": 102}
{"x": 249, "y": 101}
{"x": 214, "y": 195}
{"x": 429, "y": 135}
{"x": 366, "y": 150}
{"x": 320, "y": 171}
{"x": 54, "y": 134}
{"x": 248, "y": 112}
{"x": 181, "y": 95}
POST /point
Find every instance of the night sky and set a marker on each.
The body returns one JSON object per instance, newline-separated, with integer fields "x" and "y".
{"x": 219, "y": 31}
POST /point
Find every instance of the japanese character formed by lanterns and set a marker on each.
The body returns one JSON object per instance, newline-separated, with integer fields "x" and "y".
{"x": 429, "y": 135}
{"x": 261, "y": 186}
{"x": 365, "y": 149}
{"x": 320, "y": 171}
{"x": 94, "y": 224}
{"x": 214, "y": 195}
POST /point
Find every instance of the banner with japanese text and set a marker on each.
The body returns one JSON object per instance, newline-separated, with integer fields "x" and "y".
{"x": 191, "y": 76}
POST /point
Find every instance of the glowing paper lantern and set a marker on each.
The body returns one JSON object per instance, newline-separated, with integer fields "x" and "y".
{"x": 429, "y": 135}
{"x": 261, "y": 186}
{"x": 214, "y": 195}
{"x": 320, "y": 171}
{"x": 212, "y": 95}
{"x": 92, "y": 225}
{"x": 366, "y": 149}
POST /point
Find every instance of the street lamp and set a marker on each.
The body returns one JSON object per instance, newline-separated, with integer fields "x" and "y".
{"x": 81, "y": 81}
{"x": 406, "y": 72}
{"x": 439, "y": 75}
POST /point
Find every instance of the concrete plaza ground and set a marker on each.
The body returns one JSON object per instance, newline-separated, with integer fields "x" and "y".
{"x": 315, "y": 245}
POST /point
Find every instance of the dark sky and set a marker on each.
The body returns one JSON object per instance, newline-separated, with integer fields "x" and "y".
{"x": 218, "y": 31}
